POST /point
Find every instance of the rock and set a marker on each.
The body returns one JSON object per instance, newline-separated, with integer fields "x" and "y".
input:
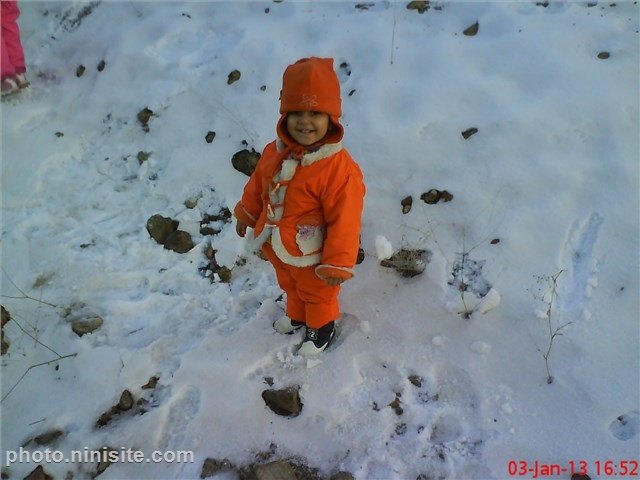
{"x": 245, "y": 161}
{"x": 48, "y": 438}
{"x": 342, "y": 476}
{"x": 212, "y": 467}
{"x": 420, "y": 5}
{"x": 285, "y": 402}
{"x": 101, "y": 65}
{"x": 495, "y": 241}
{"x": 126, "y": 401}
{"x": 210, "y": 136}
{"x": 433, "y": 196}
{"x": 409, "y": 263}
{"x": 472, "y": 30}
{"x": 160, "y": 228}
{"x": 233, "y": 77}
{"x": 468, "y": 132}
{"x": 278, "y": 470}
{"x": 603, "y": 55}
{"x": 80, "y": 71}
{"x": 38, "y": 474}
{"x": 415, "y": 380}
{"x": 152, "y": 383}
{"x": 406, "y": 203}
{"x": 144, "y": 116}
{"x": 82, "y": 326}
{"x": 143, "y": 156}
{"x": 179, "y": 241}
{"x": 6, "y": 316}
{"x": 360, "y": 258}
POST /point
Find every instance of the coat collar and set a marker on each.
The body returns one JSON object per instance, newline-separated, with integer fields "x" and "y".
{"x": 315, "y": 154}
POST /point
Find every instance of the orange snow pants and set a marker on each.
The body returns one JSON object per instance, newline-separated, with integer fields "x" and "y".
{"x": 309, "y": 298}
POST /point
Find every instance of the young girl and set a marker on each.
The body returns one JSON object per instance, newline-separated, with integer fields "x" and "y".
{"x": 304, "y": 202}
{"x": 13, "y": 66}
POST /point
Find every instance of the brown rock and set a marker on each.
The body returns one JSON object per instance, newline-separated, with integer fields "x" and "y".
{"x": 278, "y": 470}
{"x": 38, "y": 474}
{"x": 245, "y": 161}
{"x": 6, "y": 316}
{"x": 603, "y": 55}
{"x": 126, "y": 401}
{"x": 160, "y": 228}
{"x": 406, "y": 203}
{"x": 233, "y": 77}
{"x": 210, "y": 136}
{"x": 468, "y": 132}
{"x": 472, "y": 30}
{"x": 285, "y": 402}
{"x": 212, "y": 467}
{"x": 48, "y": 438}
{"x": 179, "y": 241}
{"x": 420, "y": 5}
{"x": 82, "y": 326}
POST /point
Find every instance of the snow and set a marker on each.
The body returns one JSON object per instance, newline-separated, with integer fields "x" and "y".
{"x": 548, "y": 183}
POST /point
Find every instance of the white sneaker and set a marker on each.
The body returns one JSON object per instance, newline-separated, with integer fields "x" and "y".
{"x": 286, "y": 325}
{"x": 21, "y": 80}
{"x": 317, "y": 340}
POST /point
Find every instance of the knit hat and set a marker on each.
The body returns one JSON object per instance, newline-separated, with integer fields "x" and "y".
{"x": 311, "y": 84}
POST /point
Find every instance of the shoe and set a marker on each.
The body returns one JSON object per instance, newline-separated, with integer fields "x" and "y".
{"x": 21, "y": 80}
{"x": 9, "y": 86}
{"x": 286, "y": 325}
{"x": 317, "y": 340}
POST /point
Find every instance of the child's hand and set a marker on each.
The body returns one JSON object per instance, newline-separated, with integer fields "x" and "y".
{"x": 241, "y": 228}
{"x": 334, "y": 281}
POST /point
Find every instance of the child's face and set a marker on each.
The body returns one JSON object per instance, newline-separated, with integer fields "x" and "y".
{"x": 307, "y": 128}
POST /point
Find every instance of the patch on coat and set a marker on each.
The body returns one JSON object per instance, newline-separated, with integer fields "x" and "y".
{"x": 309, "y": 238}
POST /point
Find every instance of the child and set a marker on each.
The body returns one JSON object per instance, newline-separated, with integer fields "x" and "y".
{"x": 304, "y": 202}
{"x": 12, "y": 68}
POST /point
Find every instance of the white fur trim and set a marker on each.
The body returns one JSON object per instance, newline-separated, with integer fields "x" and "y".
{"x": 286, "y": 257}
{"x": 324, "y": 151}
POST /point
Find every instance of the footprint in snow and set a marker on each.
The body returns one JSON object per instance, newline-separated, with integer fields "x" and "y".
{"x": 626, "y": 426}
{"x": 180, "y": 413}
{"x": 578, "y": 259}
{"x": 422, "y": 420}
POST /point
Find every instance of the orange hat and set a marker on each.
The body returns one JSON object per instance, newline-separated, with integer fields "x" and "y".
{"x": 311, "y": 84}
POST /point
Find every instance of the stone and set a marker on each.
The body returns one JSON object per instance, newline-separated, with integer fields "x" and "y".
{"x": 285, "y": 402}
{"x": 420, "y": 5}
{"x": 468, "y": 132}
{"x": 278, "y": 470}
{"x": 472, "y": 30}
{"x": 409, "y": 263}
{"x": 38, "y": 474}
{"x": 126, "y": 401}
{"x": 179, "y": 241}
{"x": 160, "y": 228}
{"x": 406, "y": 203}
{"x": 82, "y": 326}
{"x": 213, "y": 467}
{"x": 245, "y": 161}
{"x": 48, "y": 438}
{"x": 233, "y": 77}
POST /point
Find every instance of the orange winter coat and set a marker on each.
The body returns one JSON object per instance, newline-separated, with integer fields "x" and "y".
{"x": 309, "y": 210}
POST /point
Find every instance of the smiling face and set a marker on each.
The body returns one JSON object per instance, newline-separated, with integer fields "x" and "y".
{"x": 307, "y": 128}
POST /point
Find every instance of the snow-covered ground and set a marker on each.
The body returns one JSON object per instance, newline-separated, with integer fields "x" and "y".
{"x": 548, "y": 183}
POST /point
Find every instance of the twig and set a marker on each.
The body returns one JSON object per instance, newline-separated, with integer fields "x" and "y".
{"x": 24, "y": 295}
{"x": 34, "y": 366}
{"x": 393, "y": 35}
{"x": 553, "y": 292}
